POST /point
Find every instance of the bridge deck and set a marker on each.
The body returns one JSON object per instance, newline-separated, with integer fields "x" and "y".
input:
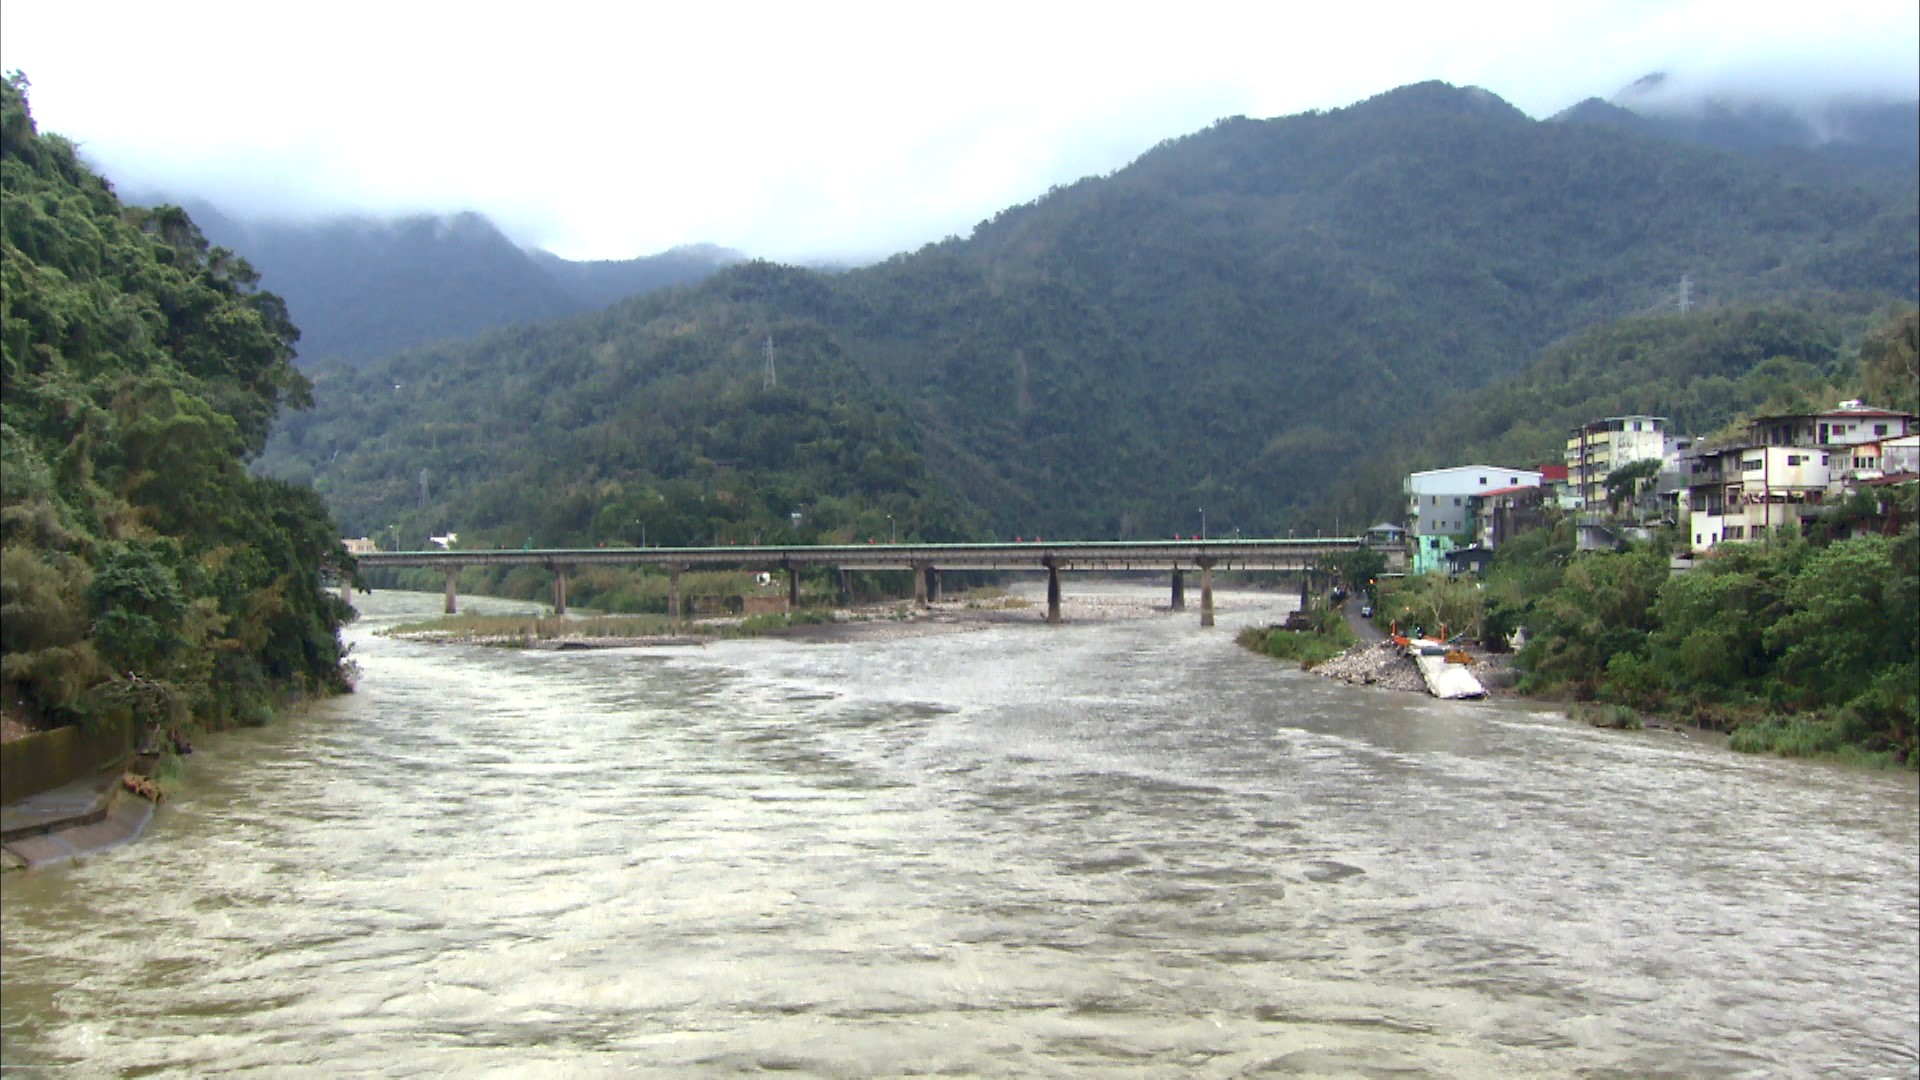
{"x": 1078, "y": 555}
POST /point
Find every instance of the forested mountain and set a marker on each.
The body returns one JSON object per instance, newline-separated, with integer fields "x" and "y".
{"x": 144, "y": 572}
{"x": 364, "y": 287}
{"x": 1233, "y": 323}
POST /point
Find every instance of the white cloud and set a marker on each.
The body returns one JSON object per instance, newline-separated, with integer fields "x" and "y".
{"x": 806, "y": 130}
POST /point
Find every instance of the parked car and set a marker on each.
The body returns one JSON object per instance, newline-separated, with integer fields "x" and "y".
{"x": 1366, "y": 611}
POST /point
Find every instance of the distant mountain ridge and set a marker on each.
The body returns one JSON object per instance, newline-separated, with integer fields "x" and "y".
{"x": 362, "y": 287}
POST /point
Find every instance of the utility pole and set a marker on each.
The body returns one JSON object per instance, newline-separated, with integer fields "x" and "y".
{"x": 769, "y": 382}
{"x": 423, "y": 489}
{"x": 1686, "y": 293}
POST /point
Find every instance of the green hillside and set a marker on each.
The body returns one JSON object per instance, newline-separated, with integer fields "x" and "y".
{"x": 1235, "y": 323}
{"x": 144, "y": 571}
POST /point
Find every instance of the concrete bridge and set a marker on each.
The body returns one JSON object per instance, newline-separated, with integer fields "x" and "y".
{"x": 925, "y": 560}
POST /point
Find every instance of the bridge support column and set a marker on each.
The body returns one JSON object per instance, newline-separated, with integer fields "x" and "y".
{"x": 452, "y": 607}
{"x": 559, "y": 590}
{"x": 1179, "y": 590}
{"x": 1053, "y": 595}
{"x": 1206, "y": 594}
{"x": 793, "y": 589}
{"x": 1306, "y": 589}
{"x": 933, "y": 584}
{"x": 673, "y": 592}
{"x": 920, "y": 576}
{"x": 846, "y": 586}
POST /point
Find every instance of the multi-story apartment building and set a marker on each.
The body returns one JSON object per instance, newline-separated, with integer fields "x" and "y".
{"x": 1441, "y": 505}
{"x": 1744, "y": 492}
{"x": 1595, "y": 450}
{"x": 1437, "y": 500}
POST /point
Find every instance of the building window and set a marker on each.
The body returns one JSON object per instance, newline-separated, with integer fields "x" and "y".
{"x": 1879, "y": 429}
{"x": 1483, "y": 481}
{"x": 1793, "y": 459}
{"x": 1456, "y": 500}
{"x": 1751, "y": 466}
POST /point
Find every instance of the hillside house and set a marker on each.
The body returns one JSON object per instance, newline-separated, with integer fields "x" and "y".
{"x": 1500, "y": 515}
{"x": 1740, "y": 493}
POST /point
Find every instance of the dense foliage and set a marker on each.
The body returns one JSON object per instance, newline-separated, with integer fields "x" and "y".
{"x": 1234, "y": 324}
{"x": 144, "y": 570}
{"x": 1328, "y": 637}
{"x": 1798, "y": 645}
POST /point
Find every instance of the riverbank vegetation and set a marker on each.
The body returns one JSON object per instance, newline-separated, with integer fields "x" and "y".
{"x": 1795, "y": 645}
{"x": 146, "y": 576}
{"x": 1324, "y": 636}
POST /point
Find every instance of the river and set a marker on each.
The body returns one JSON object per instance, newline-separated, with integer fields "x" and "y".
{"x": 1113, "y": 848}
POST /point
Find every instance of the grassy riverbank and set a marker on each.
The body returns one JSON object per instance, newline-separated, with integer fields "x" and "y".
{"x": 1327, "y": 637}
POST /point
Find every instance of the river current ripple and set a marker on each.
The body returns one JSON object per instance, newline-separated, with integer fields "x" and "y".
{"x": 1122, "y": 848}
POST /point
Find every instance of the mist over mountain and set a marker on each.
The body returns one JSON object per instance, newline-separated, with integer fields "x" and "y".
{"x": 597, "y": 283}
{"x": 363, "y": 287}
{"x": 1231, "y": 323}
{"x": 1839, "y": 131}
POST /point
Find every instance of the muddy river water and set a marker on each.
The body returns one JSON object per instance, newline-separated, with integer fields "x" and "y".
{"x": 1120, "y": 847}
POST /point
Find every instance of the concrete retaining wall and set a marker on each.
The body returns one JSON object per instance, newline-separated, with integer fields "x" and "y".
{"x": 51, "y": 759}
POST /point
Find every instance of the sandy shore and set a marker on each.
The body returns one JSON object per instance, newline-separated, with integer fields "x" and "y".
{"x": 889, "y": 621}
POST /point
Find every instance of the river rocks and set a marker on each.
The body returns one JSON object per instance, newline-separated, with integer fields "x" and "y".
{"x": 1383, "y": 664}
{"x": 1380, "y": 664}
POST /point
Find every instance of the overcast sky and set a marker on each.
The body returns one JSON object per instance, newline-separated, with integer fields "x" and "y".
{"x": 807, "y": 130}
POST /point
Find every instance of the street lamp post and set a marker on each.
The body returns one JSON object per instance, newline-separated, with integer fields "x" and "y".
{"x": 893, "y": 534}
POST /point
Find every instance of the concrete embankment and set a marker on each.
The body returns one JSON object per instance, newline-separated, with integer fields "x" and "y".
{"x": 76, "y": 819}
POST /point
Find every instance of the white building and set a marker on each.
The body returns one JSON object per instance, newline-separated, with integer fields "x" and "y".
{"x": 1595, "y": 450}
{"x": 1437, "y": 500}
{"x": 1901, "y": 456}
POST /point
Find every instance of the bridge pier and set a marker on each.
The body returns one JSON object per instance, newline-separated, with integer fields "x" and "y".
{"x": 452, "y": 607}
{"x": 921, "y": 573}
{"x": 793, "y": 589}
{"x": 846, "y": 586}
{"x": 673, "y": 592}
{"x": 1306, "y": 589}
{"x": 1206, "y": 593}
{"x": 559, "y": 590}
{"x": 1179, "y": 590}
{"x": 1053, "y": 593}
{"x": 933, "y": 583}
